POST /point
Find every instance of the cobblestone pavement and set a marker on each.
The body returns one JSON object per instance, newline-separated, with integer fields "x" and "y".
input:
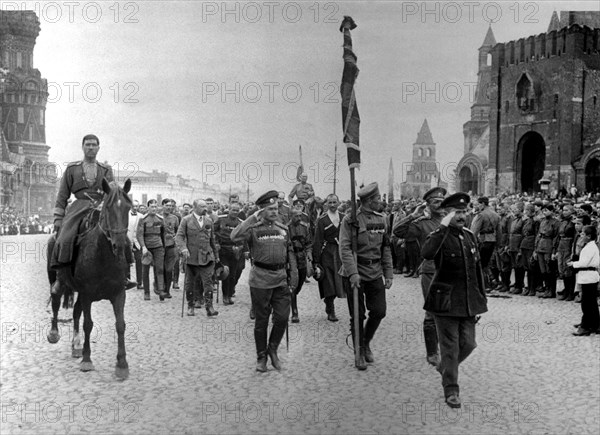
{"x": 196, "y": 375}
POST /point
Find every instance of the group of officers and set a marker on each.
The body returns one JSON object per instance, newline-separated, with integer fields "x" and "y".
{"x": 345, "y": 254}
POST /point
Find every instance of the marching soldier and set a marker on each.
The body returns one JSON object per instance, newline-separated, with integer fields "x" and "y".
{"x": 195, "y": 239}
{"x": 274, "y": 273}
{"x": 171, "y": 225}
{"x": 457, "y": 292}
{"x": 302, "y": 244}
{"x": 151, "y": 236}
{"x": 84, "y": 180}
{"x": 546, "y": 239}
{"x": 366, "y": 271}
{"x": 425, "y": 219}
{"x": 562, "y": 251}
{"x": 229, "y": 252}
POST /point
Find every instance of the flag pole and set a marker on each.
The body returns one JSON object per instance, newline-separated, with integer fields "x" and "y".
{"x": 351, "y": 122}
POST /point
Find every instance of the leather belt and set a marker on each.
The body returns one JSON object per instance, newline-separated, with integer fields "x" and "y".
{"x": 586, "y": 268}
{"x": 273, "y": 267}
{"x": 367, "y": 261}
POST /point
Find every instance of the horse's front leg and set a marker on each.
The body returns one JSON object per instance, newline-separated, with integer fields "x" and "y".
{"x": 118, "y": 303}
{"x": 53, "y": 335}
{"x": 77, "y": 344}
{"x": 88, "y": 324}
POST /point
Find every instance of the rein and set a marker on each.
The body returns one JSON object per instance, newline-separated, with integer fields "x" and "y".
{"x": 108, "y": 231}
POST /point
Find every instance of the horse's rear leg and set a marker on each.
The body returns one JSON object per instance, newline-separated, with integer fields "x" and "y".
{"x": 77, "y": 344}
{"x": 88, "y": 324}
{"x": 118, "y": 303}
{"x": 53, "y": 335}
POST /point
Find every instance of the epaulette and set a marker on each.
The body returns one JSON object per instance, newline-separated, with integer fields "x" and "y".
{"x": 304, "y": 223}
{"x": 378, "y": 214}
{"x": 160, "y": 216}
{"x": 304, "y": 214}
{"x": 420, "y": 218}
{"x": 279, "y": 224}
{"x": 222, "y": 216}
{"x": 241, "y": 220}
{"x": 79, "y": 162}
{"x": 468, "y": 230}
{"x": 104, "y": 165}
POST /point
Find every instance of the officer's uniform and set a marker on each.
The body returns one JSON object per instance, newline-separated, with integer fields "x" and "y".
{"x": 171, "y": 226}
{"x": 274, "y": 272}
{"x": 85, "y": 182}
{"x": 546, "y": 239}
{"x": 486, "y": 227}
{"x": 528, "y": 233}
{"x": 229, "y": 253}
{"x": 284, "y": 214}
{"x": 151, "y": 234}
{"x": 563, "y": 249}
{"x": 422, "y": 227}
{"x": 372, "y": 262}
{"x": 515, "y": 237}
{"x": 302, "y": 244}
{"x": 456, "y": 295}
{"x": 302, "y": 191}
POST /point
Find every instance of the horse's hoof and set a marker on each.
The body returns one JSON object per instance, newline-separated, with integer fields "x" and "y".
{"x": 121, "y": 373}
{"x": 53, "y": 337}
{"x": 86, "y": 366}
{"x": 76, "y": 353}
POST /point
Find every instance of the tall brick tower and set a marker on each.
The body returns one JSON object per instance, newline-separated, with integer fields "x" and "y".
{"x": 22, "y": 114}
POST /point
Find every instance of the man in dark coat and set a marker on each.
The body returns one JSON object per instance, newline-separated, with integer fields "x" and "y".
{"x": 326, "y": 256}
{"x": 457, "y": 292}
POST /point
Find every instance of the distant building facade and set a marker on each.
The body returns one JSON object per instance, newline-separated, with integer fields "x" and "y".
{"x": 423, "y": 173}
{"x": 536, "y": 114}
{"x": 29, "y": 181}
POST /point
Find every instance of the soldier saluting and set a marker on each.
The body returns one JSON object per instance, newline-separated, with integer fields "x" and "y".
{"x": 84, "y": 180}
{"x": 373, "y": 261}
{"x": 422, "y": 225}
{"x": 273, "y": 274}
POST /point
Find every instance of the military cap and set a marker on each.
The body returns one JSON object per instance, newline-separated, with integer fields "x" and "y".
{"x": 587, "y": 208}
{"x": 266, "y": 199}
{"x": 436, "y": 192}
{"x": 548, "y": 207}
{"x": 483, "y": 200}
{"x": 188, "y": 204}
{"x": 567, "y": 201}
{"x": 298, "y": 201}
{"x": 459, "y": 200}
{"x": 368, "y": 191}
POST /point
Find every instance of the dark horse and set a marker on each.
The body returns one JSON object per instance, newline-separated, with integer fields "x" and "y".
{"x": 99, "y": 272}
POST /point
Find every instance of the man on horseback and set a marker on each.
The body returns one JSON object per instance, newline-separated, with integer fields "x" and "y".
{"x": 84, "y": 180}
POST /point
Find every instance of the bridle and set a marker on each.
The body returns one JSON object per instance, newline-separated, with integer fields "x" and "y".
{"x": 108, "y": 231}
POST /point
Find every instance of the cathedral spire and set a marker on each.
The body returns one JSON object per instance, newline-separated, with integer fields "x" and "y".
{"x": 554, "y": 22}
{"x": 489, "y": 40}
{"x": 424, "y": 136}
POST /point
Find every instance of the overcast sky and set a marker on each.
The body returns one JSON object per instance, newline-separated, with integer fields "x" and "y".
{"x": 190, "y": 89}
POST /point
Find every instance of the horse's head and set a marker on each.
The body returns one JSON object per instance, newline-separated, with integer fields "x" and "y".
{"x": 114, "y": 218}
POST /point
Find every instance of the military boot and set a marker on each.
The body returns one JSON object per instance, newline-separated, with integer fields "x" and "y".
{"x": 368, "y": 354}
{"x": 261, "y": 362}
{"x": 431, "y": 345}
{"x": 272, "y": 352}
{"x": 210, "y": 311}
{"x": 295, "y": 318}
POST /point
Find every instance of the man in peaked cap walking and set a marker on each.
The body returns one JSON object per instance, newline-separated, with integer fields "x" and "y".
{"x": 370, "y": 271}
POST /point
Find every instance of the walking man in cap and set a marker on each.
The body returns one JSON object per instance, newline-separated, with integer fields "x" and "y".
{"x": 273, "y": 275}
{"x": 545, "y": 241}
{"x": 370, "y": 272}
{"x": 425, "y": 219}
{"x": 457, "y": 293}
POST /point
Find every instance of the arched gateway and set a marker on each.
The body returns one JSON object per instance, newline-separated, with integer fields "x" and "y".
{"x": 592, "y": 175}
{"x": 531, "y": 160}
{"x": 468, "y": 179}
